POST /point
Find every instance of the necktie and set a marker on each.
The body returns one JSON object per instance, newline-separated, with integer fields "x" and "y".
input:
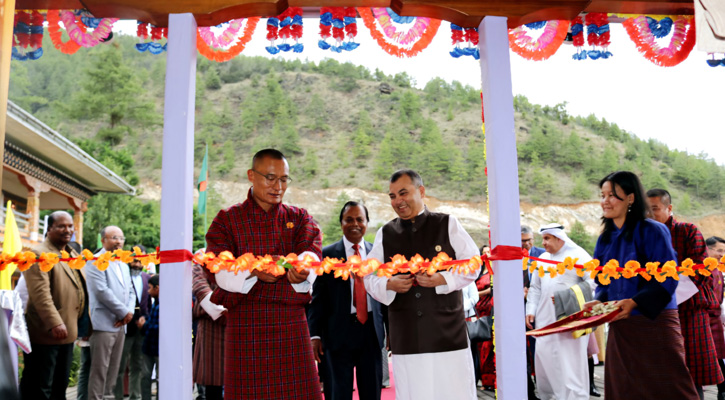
{"x": 360, "y": 300}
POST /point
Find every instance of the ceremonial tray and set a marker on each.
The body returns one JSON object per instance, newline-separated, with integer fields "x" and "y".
{"x": 580, "y": 320}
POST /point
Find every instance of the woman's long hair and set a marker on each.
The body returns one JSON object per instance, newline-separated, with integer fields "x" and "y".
{"x": 630, "y": 184}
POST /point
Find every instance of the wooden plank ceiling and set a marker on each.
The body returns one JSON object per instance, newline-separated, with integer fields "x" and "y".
{"x": 466, "y": 13}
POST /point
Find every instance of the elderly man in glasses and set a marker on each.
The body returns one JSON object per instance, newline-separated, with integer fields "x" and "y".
{"x": 112, "y": 303}
{"x": 267, "y": 344}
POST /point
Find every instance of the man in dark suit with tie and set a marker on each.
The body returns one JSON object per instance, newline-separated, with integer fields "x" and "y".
{"x": 346, "y": 324}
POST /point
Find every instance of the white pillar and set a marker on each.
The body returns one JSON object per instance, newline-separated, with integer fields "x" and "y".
{"x": 177, "y": 182}
{"x": 503, "y": 191}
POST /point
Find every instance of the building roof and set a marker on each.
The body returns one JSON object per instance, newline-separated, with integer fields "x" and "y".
{"x": 37, "y": 139}
{"x": 466, "y": 13}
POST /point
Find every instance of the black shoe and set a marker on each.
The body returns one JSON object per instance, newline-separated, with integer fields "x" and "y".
{"x": 594, "y": 392}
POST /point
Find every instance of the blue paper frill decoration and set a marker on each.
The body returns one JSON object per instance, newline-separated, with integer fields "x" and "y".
{"x": 16, "y": 55}
{"x": 296, "y": 20}
{"x": 91, "y": 22}
{"x": 273, "y": 21}
{"x": 338, "y": 23}
{"x": 455, "y": 27}
{"x": 298, "y": 48}
{"x": 323, "y": 44}
{"x": 151, "y": 47}
{"x": 326, "y": 19}
{"x": 596, "y": 29}
{"x": 272, "y": 49}
{"x": 350, "y": 46}
{"x": 582, "y": 55}
{"x": 284, "y": 47}
{"x": 336, "y": 49}
{"x": 398, "y": 19}
{"x": 660, "y": 28}
{"x": 465, "y": 51}
{"x": 285, "y": 22}
{"x": 350, "y": 20}
{"x": 537, "y": 25}
{"x": 577, "y": 29}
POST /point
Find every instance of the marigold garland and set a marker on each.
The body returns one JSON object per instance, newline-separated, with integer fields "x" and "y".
{"x": 219, "y": 55}
{"x": 612, "y": 269}
{"x": 55, "y": 33}
{"x": 46, "y": 261}
{"x": 680, "y": 46}
{"x": 423, "y": 41}
{"x": 543, "y": 47}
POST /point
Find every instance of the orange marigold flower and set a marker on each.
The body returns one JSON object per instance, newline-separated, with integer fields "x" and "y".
{"x": 125, "y": 256}
{"x": 103, "y": 261}
{"x": 47, "y": 262}
{"x": 64, "y": 254}
{"x": 25, "y": 260}
{"x": 591, "y": 265}
{"x": 710, "y": 263}
{"x": 652, "y": 267}
{"x": 645, "y": 275}
{"x": 628, "y": 273}
{"x": 580, "y": 272}
{"x": 533, "y": 266}
{"x": 525, "y": 262}
{"x": 552, "y": 272}
{"x": 560, "y": 268}
{"x": 704, "y": 272}
{"x": 542, "y": 273}
{"x": 77, "y": 263}
{"x": 87, "y": 254}
{"x": 660, "y": 277}
{"x": 604, "y": 279}
{"x": 290, "y": 225}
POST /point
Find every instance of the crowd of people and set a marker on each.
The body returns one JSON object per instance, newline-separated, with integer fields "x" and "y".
{"x": 299, "y": 336}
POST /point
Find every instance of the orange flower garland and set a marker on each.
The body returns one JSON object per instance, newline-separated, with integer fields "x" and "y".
{"x": 612, "y": 269}
{"x": 226, "y": 55}
{"x": 390, "y": 48}
{"x": 46, "y": 261}
{"x": 55, "y": 33}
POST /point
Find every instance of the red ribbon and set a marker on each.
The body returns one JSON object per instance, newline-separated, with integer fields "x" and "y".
{"x": 503, "y": 253}
{"x": 175, "y": 256}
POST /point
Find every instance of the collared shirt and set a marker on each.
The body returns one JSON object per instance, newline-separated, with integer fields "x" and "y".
{"x": 349, "y": 252}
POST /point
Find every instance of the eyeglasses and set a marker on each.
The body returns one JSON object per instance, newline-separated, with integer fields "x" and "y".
{"x": 119, "y": 238}
{"x": 273, "y": 179}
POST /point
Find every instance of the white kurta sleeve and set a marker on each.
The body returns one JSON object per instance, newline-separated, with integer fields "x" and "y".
{"x": 304, "y": 287}
{"x": 215, "y": 311}
{"x": 465, "y": 248}
{"x": 532, "y": 298}
{"x": 377, "y": 286}
{"x": 242, "y": 282}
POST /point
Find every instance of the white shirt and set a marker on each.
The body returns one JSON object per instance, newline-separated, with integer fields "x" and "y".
{"x": 349, "y": 252}
{"x": 462, "y": 244}
{"x": 137, "y": 282}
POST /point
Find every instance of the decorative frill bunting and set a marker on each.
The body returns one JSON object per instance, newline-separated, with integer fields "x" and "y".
{"x": 554, "y": 33}
{"x": 598, "y": 35}
{"x": 228, "y": 44}
{"x": 28, "y": 36}
{"x": 157, "y": 34}
{"x": 285, "y": 26}
{"x": 384, "y": 25}
{"x": 338, "y": 22}
{"x": 682, "y": 40}
{"x": 464, "y": 35}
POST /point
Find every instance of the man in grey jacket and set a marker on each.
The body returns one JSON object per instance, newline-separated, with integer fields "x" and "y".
{"x": 112, "y": 303}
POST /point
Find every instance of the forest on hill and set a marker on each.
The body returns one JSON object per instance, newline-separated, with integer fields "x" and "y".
{"x": 340, "y": 125}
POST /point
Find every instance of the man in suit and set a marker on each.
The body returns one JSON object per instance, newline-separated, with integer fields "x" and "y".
{"x": 346, "y": 324}
{"x": 113, "y": 301}
{"x": 132, "y": 355}
{"x": 57, "y": 309}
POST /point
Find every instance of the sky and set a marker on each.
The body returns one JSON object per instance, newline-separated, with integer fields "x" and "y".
{"x": 681, "y": 106}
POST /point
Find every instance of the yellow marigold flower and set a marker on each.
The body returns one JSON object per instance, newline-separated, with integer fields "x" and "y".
{"x": 629, "y": 273}
{"x": 593, "y": 273}
{"x": 532, "y": 268}
{"x": 552, "y": 272}
{"x": 660, "y": 277}
{"x": 704, "y": 272}
{"x": 525, "y": 262}
{"x": 77, "y": 263}
{"x": 652, "y": 267}
{"x": 87, "y": 254}
{"x": 687, "y": 263}
{"x": 591, "y": 265}
{"x": 124, "y": 256}
{"x": 580, "y": 272}
{"x": 541, "y": 272}
{"x": 632, "y": 264}
{"x": 64, "y": 254}
{"x": 103, "y": 260}
{"x": 560, "y": 268}
{"x": 645, "y": 275}
{"x": 604, "y": 279}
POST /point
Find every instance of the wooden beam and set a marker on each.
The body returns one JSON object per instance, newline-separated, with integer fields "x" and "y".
{"x": 7, "y": 22}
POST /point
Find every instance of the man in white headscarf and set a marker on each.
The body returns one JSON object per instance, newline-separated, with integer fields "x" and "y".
{"x": 562, "y": 372}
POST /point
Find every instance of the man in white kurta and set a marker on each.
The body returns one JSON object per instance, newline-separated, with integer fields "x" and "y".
{"x": 420, "y": 374}
{"x": 560, "y": 359}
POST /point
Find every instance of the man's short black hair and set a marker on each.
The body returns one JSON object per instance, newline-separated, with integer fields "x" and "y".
{"x": 271, "y": 153}
{"x": 154, "y": 280}
{"x": 713, "y": 240}
{"x": 664, "y": 195}
{"x": 414, "y": 176}
{"x": 354, "y": 204}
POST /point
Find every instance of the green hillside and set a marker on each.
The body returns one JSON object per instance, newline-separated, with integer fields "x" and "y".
{"x": 340, "y": 125}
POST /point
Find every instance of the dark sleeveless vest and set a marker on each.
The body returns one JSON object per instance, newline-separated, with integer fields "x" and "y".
{"x": 422, "y": 321}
